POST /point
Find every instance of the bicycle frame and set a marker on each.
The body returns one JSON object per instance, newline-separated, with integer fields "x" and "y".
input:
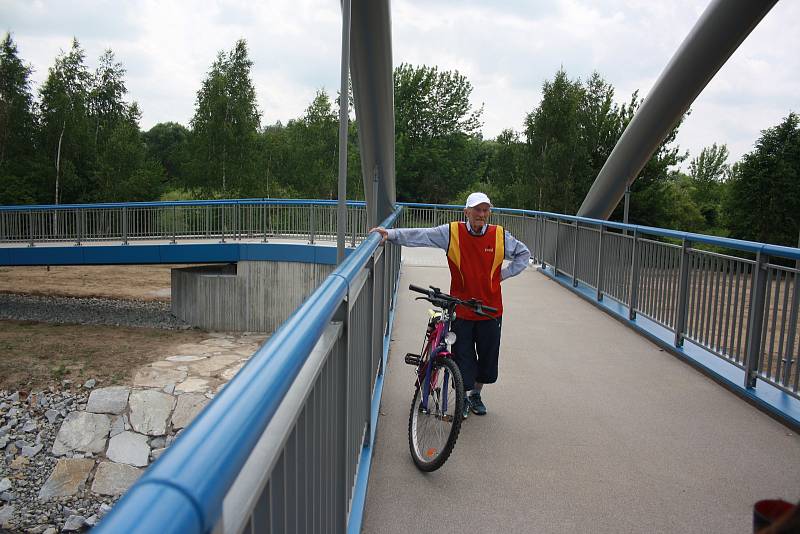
{"x": 435, "y": 347}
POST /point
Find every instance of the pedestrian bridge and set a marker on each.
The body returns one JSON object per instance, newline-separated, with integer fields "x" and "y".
{"x": 591, "y": 428}
{"x": 647, "y": 383}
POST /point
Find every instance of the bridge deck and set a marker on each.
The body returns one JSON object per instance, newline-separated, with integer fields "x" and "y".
{"x": 591, "y": 428}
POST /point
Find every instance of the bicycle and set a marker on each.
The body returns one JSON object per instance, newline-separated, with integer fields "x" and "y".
{"x": 436, "y": 413}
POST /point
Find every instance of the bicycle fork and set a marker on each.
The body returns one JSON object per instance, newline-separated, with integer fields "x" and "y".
{"x": 426, "y": 387}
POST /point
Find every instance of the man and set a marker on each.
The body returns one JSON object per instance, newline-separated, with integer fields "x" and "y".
{"x": 475, "y": 253}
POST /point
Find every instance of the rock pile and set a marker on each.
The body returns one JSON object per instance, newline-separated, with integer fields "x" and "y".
{"x": 69, "y": 455}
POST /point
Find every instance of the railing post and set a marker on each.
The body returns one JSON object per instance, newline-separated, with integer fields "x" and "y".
{"x": 756, "y": 321}
{"x": 377, "y": 344}
{"x": 353, "y": 229}
{"x": 125, "y": 225}
{"x": 599, "y": 281}
{"x": 264, "y": 222}
{"x": 634, "y": 288}
{"x": 792, "y": 358}
{"x": 348, "y": 423}
{"x": 270, "y": 214}
{"x": 575, "y": 255}
{"x": 555, "y": 253}
{"x": 371, "y": 336}
{"x": 30, "y": 228}
{"x": 312, "y": 224}
{"x": 222, "y": 222}
{"x": 543, "y": 238}
{"x": 174, "y": 225}
{"x": 237, "y": 221}
{"x": 79, "y": 225}
{"x": 683, "y": 294}
{"x": 526, "y": 236}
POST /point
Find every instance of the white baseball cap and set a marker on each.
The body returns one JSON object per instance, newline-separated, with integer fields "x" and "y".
{"x": 477, "y": 198}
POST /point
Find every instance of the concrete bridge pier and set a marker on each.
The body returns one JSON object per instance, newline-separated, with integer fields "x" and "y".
{"x": 247, "y": 296}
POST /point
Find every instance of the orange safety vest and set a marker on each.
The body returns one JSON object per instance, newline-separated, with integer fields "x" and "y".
{"x": 475, "y": 262}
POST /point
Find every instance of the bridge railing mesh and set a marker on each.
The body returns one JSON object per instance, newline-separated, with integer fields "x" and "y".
{"x": 180, "y": 221}
{"x": 738, "y": 300}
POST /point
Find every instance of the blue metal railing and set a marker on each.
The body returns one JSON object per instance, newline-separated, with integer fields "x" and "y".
{"x": 184, "y": 490}
{"x": 741, "y": 309}
{"x": 724, "y": 242}
{"x": 180, "y": 203}
{"x": 736, "y": 302}
{"x": 178, "y": 220}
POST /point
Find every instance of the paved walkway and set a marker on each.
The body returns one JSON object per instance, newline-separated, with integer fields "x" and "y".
{"x": 591, "y": 428}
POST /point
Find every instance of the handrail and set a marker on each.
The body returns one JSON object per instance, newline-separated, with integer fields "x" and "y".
{"x": 196, "y": 472}
{"x": 726, "y": 242}
{"x": 168, "y": 203}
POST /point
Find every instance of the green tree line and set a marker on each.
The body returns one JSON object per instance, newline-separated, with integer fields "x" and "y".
{"x": 77, "y": 139}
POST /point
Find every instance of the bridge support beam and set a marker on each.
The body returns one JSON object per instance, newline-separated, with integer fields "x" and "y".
{"x": 373, "y": 93}
{"x": 717, "y": 34}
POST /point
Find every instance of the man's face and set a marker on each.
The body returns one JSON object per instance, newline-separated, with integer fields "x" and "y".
{"x": 478, "y": 216}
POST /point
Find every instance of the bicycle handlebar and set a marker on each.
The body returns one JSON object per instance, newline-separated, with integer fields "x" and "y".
{"x": 435, "y": 294}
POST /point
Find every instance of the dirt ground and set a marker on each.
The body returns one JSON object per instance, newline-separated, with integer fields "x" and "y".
{"x": 139, "y": 282}
{"x": 36, "y": 355}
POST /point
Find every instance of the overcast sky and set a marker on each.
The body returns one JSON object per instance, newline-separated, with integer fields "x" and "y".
{"x": 507, "y": 49}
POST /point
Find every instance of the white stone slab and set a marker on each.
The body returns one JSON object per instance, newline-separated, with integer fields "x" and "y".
{"x": 187, "y": 408}
{"x": 67, "y": 478}
{"x": 82, "y": 431}
{"x": 129, "y": 448}
{"x": 156, "y": 377}
{"x": 112, "y": 399}
{"x": 114, "y": 479}
{"x": 191, "y": 385}
{"x": 150, "y": 411}
{"x": 185, "y": 358}
{"x": 117, "y": 426}
{"x": 211, "y": 366}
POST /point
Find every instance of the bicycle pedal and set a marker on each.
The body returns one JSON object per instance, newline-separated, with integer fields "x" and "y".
{"x": 413, "y": 359}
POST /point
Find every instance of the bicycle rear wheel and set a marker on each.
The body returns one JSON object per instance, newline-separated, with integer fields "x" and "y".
{"x": 433, "y": 430}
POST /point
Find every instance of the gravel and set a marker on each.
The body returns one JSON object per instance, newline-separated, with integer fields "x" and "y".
{"x": 95, "y": 311}
{"x": 21, "y": 477}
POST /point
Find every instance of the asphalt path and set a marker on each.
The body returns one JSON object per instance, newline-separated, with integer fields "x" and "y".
{"x": 591, "y": 428}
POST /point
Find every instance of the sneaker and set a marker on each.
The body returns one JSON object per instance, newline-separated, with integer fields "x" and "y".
{"x": 466, "y": 408}
{"x": 476, "y": 404}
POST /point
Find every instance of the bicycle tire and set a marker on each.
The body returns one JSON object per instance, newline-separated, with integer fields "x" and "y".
{"x": 430, "y": 453}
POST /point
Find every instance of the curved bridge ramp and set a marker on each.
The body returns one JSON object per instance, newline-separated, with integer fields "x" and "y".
{"x": 591, "y": 428}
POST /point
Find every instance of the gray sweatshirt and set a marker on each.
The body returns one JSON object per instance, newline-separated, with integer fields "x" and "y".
{"x": 439, "y": 237}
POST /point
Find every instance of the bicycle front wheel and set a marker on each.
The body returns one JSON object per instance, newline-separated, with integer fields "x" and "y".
{"x": 433, "y": 426}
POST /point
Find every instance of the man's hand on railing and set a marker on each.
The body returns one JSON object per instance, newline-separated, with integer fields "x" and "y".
{"x": 381, "y": 230}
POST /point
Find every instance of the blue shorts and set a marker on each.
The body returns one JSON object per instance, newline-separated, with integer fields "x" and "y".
{"x": 476, "y": 350}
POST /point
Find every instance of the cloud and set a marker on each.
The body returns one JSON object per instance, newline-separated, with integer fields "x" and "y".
{"x": 507, "y": 49}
